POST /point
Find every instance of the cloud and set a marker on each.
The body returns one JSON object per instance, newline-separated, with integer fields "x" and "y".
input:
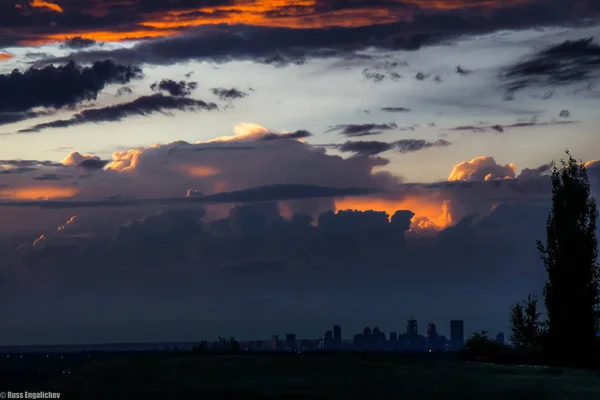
{"x": 533, "y": 122}
{"x": 569, "y": 62}
{"x": 371, "y": 148}
{"x": 228, "y": 94}
{"x": 395, "y": 109}
{"x": 123, "y": 91}
{"x": 276, "y": 33}
{"x": 5, "y": 56}
{"x": 357, "y": 130}
{"x": 142, "y": 106}
{"x": 59, "y": 87}
{"x": 46, "y": 5}
{"x": 300, "y": 134}
{"x": 78, "y": 43}
{"x": 12, "y": 117}
{"x": 181, "y": 88}
{"x": 461, "y": 71}
{"x": 565, "y": 114}
{"x": 482, "y": 168}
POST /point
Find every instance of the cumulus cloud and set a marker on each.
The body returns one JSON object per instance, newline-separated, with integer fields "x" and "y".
{"x": 174, "y": 88}
{"x": 141, "y": 106}
{"x": 59, "y": 87}
{"x": 482, "y": 168}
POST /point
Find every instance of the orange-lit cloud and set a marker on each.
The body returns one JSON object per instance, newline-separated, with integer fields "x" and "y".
{"x": 69, "y": 222}
{"x": 482, "y": 168}
{"x": 198, "y": 171}
{"x": 430, "y": 212}
{"x": 38, "y": 193}
{"x": 47, "y": 5}
{"x": 100, "y": 36}
{"x": 5, "y": 56}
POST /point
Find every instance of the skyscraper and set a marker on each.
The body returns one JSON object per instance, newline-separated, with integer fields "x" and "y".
{"x": 274, "y": 342}
{"x": 411, "y": 327}
{"x": 337, "y": 336}
{"x": 457, "y": 334}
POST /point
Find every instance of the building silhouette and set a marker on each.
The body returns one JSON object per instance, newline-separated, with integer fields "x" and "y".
{"x": 275, "y": 342}
{"x": 412, "y": 327}
{"x": 432, "y": 337}
{"x": 457, "y": 334}
{"x": 337, "y": 336}
{"x": 290, "y": 341}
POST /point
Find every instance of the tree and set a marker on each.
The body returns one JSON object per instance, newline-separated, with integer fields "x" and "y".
{"x": 570, "y": 257}
{"x": 526, "y": 326}
{"x": 480, "y": 347}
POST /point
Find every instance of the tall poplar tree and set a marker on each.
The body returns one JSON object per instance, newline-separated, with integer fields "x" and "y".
{"x": 570, "y": 257}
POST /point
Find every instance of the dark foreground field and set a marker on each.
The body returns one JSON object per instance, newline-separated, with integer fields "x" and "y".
{"x": 337, "y": 376}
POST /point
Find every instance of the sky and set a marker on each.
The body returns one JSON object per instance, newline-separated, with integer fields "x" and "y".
{"x": 182, "y": 170}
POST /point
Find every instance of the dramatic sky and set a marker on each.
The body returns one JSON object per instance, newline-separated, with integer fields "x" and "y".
{"x": 182, "y": 169}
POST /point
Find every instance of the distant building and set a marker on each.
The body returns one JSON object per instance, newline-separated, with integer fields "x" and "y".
{"x": 500, "y": 338}
{"x": 411, "y": 327}
{"x": 290, "y": 341}
{"x": 457, "y": 334}
{"x": 328, "y": 340}
{"x": 432, "y": 337}
{"x": 337, "y": 336}
{"x": 274, "y": 342}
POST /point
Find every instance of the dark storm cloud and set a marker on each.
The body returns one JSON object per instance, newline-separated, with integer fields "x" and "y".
{"x": 142, "y": 106}
{"x": 228, "y": 94}
{"x": 569, "y": 62}
{"x": 61, "y": 86}
{"x": 283, "y": 46}
{"x": 300, "y": 134}
{"x": 372, "y": 148}
{"x": 357, "y": 130}
{"x": 174, "y": 88}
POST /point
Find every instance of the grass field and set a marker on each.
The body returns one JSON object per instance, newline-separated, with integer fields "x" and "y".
{"x": 341, "y": 376}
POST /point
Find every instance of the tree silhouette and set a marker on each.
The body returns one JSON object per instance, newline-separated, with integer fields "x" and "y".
{"x": 527, "y": 328}
{"x": 570, "y": 257}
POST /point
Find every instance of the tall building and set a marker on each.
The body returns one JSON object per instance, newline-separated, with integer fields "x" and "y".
{"x": 432, "y": 337}
{"x": 457, "y": 334}
{"x": 274, "y": 342}
{"x": 411, "y": 327}
{"x": 290, "y": 341}
{"x": 328, "y": 342}
{"x": 337, "y": 334}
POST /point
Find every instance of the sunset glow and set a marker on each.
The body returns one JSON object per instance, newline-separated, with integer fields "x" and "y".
{"x": 38, "y": 193}
{"x": 429, "y": 213}
{"x": 46, "y": 5}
